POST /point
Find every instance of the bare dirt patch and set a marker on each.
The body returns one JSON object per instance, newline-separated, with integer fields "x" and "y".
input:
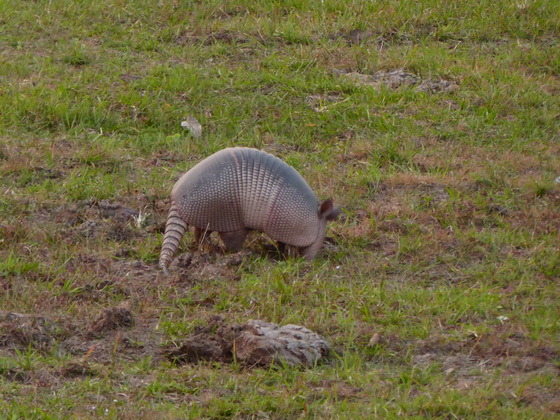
{"x": 112, "y": 318}
{"x": 105, "y": 218}
{"x": 199, "y": 266}
{"x": 505, "y": 348}
{"x": 210, "y": 38}
{"x": 339, "y": 389}
{"x": 21, "y": 331}
{"x": 211, "y": 343}
{"x": 77, "y": 370}
{"x": 98, "y": 340}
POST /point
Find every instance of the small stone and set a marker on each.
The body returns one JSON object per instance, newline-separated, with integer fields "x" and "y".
{"x": 374, "y": 340}
{"x": 192, "y": 124}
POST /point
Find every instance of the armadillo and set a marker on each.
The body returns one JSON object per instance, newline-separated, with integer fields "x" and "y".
{"x": 240, "y": 189}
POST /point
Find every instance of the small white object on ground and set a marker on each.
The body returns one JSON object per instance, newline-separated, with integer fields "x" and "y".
{"x": 192, "y": 124}
{"x": 374, "y": 340}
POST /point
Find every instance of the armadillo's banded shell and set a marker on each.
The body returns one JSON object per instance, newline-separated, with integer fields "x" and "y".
{"x": 206, "y": 195}
{"x": 242, "y": 187}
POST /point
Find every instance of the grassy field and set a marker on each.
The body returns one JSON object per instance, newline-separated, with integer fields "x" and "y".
{"x": 434, "y": 124}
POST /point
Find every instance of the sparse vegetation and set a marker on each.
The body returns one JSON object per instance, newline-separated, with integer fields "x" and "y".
{"x": 435, "y": 125}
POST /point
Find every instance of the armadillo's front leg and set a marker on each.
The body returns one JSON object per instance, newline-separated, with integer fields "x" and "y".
{"x": 234, "y": 240}
{"x": 310, "y": 252}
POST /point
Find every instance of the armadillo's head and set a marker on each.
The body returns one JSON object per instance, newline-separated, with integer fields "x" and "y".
{"x": 326, "y": 212}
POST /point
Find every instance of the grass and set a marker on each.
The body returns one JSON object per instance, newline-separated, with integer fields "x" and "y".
{"x": 447, "y": 246}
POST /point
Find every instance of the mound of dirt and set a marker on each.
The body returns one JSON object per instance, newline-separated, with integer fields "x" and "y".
{"x": 21, "y": 330}
{"x": 211, "y": 343}
{"x": 255, "y": 344}
{"x": 112, "y": 318}
{"x": 396, "y": 78}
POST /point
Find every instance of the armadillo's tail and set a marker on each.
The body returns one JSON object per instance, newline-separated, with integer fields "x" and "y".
{"x": 174, "y": 231}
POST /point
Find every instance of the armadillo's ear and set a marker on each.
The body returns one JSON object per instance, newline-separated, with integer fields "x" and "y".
{"x": 328, "y": 211}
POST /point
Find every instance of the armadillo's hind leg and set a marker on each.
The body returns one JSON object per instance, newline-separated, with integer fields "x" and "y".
{"x": 234, "y": 240}
{"x": 286, "y": 250}
{"x": 200, "y": 235}
{"x": 174, "y": 231}
{"x": 281, "y": 247}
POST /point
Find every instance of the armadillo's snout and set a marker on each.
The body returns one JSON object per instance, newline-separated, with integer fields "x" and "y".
{"x": 327, "y": 212}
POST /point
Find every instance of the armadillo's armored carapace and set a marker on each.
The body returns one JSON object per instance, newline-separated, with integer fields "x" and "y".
{"x": 240, "y": 189}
